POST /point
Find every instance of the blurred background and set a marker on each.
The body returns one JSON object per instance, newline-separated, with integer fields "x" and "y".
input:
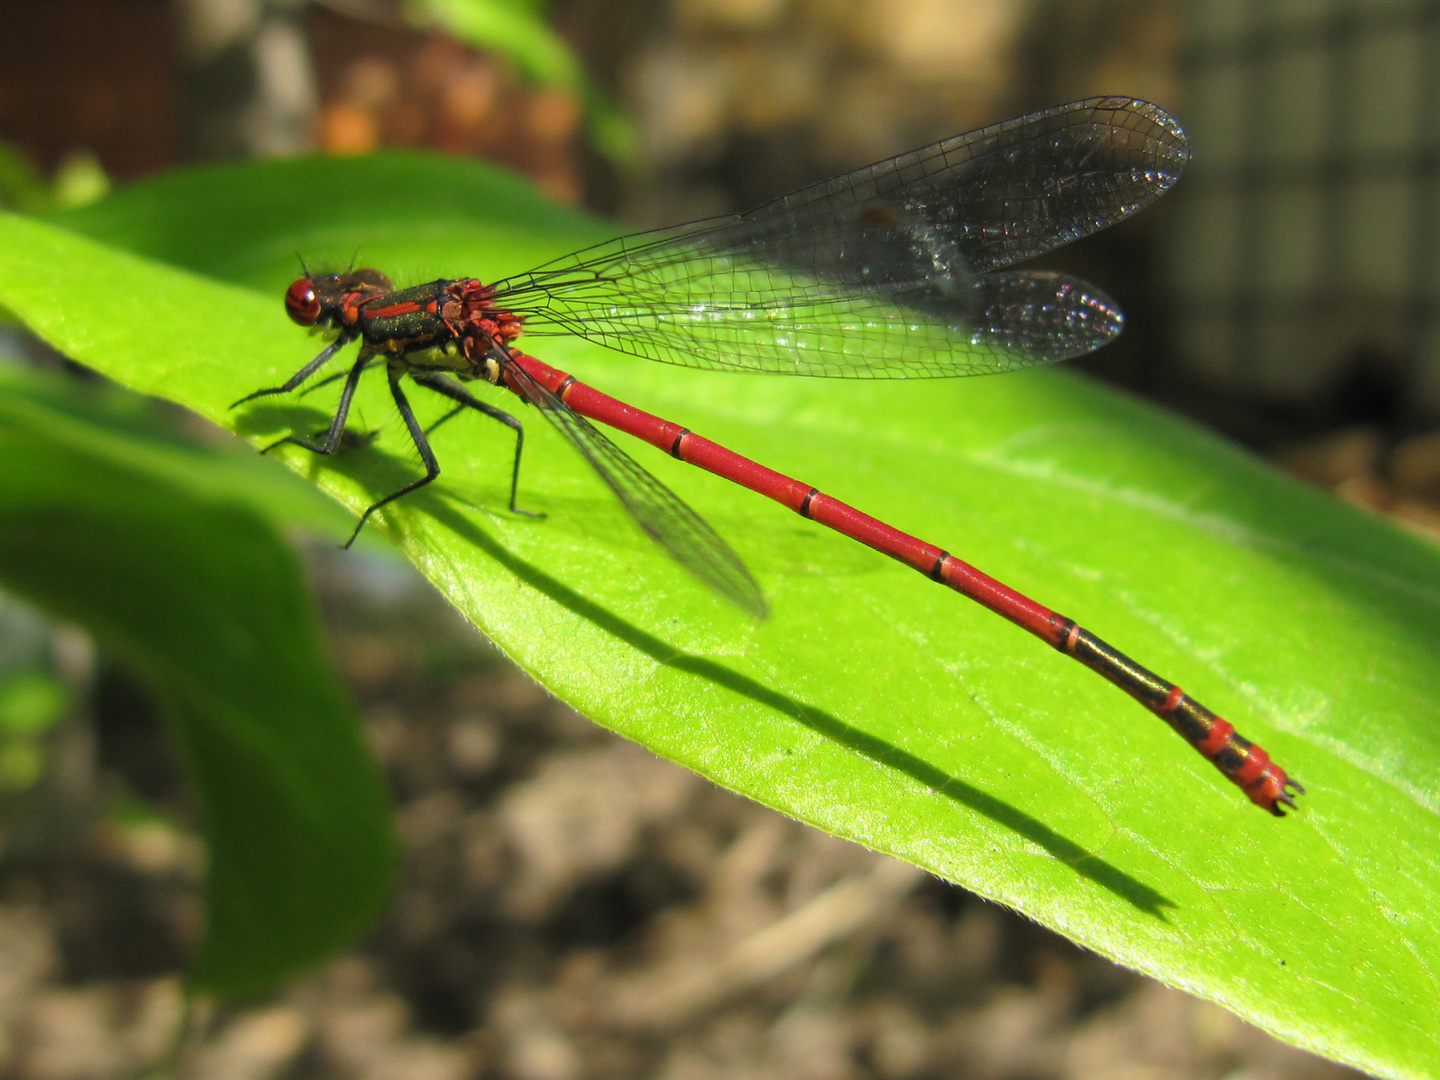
{"x": 571, "y": 906}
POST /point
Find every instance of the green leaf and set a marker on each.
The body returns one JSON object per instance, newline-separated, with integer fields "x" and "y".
{"x": 30, "y": 704}
{"x": 513, "y": 28}
{"x": 129, "y": 431}
{"x": 874, "y": 704}
{"x": 79, "y": 179}
{"x": 21, "y": 185}
{"x": 155, "y": 545}
{"x": 253, "y": 226}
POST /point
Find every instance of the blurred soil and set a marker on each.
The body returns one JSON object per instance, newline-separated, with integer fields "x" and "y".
{"x": 571, "y": 907}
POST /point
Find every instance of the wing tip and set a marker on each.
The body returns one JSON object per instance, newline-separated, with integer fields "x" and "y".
{"x": 1156, "y": 125}
{"x": 1045, "y": 316}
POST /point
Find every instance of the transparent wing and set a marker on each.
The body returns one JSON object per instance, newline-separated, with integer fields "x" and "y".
{"x": 674, "y": 526}
{"x": 886, "y": 272}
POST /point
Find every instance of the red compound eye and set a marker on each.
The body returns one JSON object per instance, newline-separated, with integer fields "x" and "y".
{"x": 301, "y": 303}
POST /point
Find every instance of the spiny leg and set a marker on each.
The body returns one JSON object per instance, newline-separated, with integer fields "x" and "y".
{"x": 468, "y": 401}
{"x": 422, "y": 444}
{"x": 301, "y": 375}
{"x": 327, "y": 381}
{"x": 456, "y": 411}
{"x": 337, "y": 425}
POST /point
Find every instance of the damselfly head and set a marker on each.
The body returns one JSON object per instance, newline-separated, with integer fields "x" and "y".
{"x": 302, "y": 302}
{"x": 319, "y": 298}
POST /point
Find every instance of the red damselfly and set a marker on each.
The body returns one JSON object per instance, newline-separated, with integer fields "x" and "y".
{"x": 897, "y": 270}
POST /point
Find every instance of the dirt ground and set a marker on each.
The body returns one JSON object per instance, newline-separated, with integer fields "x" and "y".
{"x": 571, "y": 907}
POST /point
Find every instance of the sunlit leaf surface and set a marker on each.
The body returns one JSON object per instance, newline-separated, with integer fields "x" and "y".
{"x": 872, "y": 703}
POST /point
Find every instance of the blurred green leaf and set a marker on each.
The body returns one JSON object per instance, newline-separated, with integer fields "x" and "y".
{"x": 516, "y": 29}
{"x": 874, "y": 704}
{"x": 78, "y": 181}
{"x": 30, "y": 704}
{"x": 156, "y": 547}
{"x": 611, "y": 131}
{"x": 130, "y": 430}
{"x": 21, "y": 186}
{"x": 22, "y": 764}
